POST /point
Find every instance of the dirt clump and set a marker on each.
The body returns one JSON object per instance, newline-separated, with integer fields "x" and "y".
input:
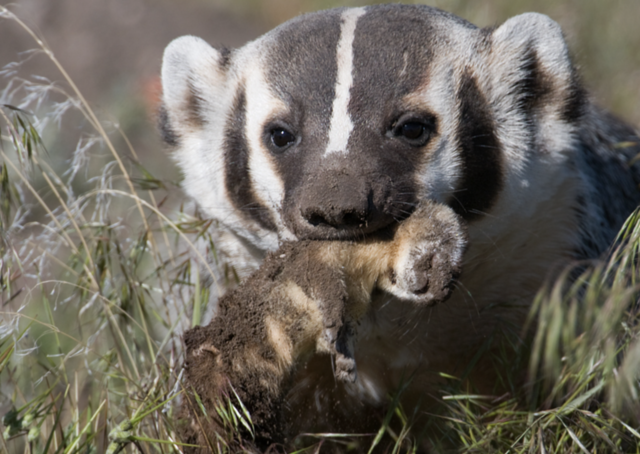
{"x": 306, "y": 299}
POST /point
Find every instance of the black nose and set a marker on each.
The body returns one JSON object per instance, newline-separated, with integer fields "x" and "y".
{"x": 337, "y": 199}
{"x": 339, "y": 217}
{"x": 344, "y": 204}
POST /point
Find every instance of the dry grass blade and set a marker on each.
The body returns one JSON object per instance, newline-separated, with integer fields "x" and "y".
{"x": 101, "y": 272}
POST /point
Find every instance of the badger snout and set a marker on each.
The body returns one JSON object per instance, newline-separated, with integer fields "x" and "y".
{"x": 340, "y": 207}
{"x": 344, "y": 205}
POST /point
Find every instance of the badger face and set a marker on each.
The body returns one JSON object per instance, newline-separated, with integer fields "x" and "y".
{"x": 335, "y": 124}
{"x": 345, "y": 140}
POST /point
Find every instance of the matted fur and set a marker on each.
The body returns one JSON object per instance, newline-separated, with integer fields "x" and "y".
{"x": 307, "y": 299}
{"x": 511, "y": 141}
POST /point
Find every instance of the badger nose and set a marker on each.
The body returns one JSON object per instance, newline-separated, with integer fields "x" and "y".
{"x": 342, "y": 206}
{"x": 337, "y": 216}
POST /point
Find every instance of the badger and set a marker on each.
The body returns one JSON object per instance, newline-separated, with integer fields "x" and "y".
{"x": 307, "y": 299}
{"x": 337, "y": 125}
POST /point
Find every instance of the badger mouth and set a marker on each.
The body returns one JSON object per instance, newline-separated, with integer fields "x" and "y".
{"x": 350, "y": 225}
{"x": 348, "y": 205}
{"x": 324, "y": 231}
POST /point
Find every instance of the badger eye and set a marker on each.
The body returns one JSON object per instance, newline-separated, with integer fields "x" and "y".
{"x": 281, "y": 138}
{"x": 414, "y": 131}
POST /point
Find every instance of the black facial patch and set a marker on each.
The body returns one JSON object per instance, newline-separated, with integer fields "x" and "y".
{"x": 534, "y": 86}
{"x": 169, "y": 136}
{"x": 194, "y": 106}
{"x": 236, "y": 175}
{"x": 575, "y": 99}
{"x": 480, "y": 152}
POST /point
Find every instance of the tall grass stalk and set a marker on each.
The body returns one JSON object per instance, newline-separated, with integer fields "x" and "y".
{"x": 96, "y": 280}
{"x": 100, "y": 273}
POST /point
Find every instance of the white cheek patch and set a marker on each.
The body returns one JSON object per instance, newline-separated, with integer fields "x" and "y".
{"x": 268, "y": 185}
{"x": 341, "y": 124}
{"x": 550, "y": 132}
{"x": 441, "y": 171}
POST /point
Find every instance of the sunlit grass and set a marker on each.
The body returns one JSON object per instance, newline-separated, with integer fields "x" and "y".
{"x": 99, "y": 276}
{"x": 95, "y": 286}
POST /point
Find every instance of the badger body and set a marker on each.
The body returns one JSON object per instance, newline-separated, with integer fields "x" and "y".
{"x": 337, "y": 124}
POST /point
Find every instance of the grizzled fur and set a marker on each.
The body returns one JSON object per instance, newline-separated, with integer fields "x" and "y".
{"x": 307, "y": 298}
{"x": 337, "y": 124}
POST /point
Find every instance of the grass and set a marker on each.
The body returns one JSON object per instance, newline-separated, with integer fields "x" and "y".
{"x": 100, "y": 272}
{"x": 95, "y": 281}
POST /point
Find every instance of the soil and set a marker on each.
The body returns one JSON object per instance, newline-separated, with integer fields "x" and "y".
{"x": 232, "y": 348}
{"x": 301, "y": 302}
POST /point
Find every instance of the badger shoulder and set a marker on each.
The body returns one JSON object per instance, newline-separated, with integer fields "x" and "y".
{"x": 608, "y": 150}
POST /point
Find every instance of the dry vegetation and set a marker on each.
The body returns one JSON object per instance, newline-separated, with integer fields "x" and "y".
{"x": 98, "y": 271}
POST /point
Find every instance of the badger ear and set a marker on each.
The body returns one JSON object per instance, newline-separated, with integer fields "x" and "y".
{"x": 531, "y": 61}
{"x": 192, "y": 75}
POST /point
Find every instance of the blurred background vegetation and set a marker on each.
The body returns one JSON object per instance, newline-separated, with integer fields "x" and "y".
{"x": 95, "y": 270}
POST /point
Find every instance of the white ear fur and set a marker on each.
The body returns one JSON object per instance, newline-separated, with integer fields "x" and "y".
{"x": 191, "y": 71}
{"x": 537, "y": 32}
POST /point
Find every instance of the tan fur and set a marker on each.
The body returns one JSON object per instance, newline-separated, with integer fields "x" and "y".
{"x": 306, "y": 300}
{"x": 511, "y": 141}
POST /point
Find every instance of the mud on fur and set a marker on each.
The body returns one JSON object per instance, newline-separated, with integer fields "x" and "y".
{"x": 306, "y": 300}
{"x": 337, "y": 124}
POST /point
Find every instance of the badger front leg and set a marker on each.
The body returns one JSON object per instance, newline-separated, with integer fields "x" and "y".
{"x": 427, "y": 255}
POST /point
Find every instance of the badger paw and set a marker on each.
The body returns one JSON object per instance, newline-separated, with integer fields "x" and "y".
{"x": 429, "y": 273}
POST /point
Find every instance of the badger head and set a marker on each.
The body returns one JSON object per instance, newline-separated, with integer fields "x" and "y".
{"x": 334, "y": 125}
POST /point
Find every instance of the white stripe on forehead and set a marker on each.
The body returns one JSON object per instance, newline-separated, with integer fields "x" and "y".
{"x": 341, "y": 124}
